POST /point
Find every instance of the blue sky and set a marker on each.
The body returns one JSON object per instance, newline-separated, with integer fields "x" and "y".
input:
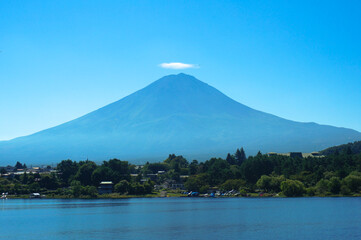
{"x": 62, "y": 59}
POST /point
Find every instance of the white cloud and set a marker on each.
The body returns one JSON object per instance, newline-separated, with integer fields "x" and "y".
{"x": 178, "y": 65}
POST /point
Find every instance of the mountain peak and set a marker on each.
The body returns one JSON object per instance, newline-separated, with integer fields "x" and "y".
{"x": 177, "y": 83}
{"x": 181, "y": 77}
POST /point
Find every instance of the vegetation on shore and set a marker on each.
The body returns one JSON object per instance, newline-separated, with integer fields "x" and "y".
{"x": 336, "y": 174}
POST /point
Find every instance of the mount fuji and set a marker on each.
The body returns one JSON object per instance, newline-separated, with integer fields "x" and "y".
{"x": 175, "y": 114}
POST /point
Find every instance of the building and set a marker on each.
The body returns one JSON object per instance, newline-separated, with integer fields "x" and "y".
{"x": 35, "y": 170}
{"x": 35, "y": 195}
{"x": 296, "y": 155}
{"x": 105, "y": 187}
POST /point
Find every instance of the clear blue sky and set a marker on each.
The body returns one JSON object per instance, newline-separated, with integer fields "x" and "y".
{"x": 300, "y": 60}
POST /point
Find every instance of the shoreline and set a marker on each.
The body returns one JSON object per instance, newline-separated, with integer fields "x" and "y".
{"x": 174, "y": 196}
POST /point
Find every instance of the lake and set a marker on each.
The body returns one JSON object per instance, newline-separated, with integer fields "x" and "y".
{"x": 182, "y": 218}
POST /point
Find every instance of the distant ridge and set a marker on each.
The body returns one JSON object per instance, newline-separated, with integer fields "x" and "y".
{"x": 352, "y": 148}
{"x": 175, "y": 114}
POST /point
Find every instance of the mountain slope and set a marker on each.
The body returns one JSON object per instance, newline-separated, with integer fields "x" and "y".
{"x": 176, "y": 114}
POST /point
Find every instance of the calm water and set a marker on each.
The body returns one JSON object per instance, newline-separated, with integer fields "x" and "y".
{"x": 182, "y": 218}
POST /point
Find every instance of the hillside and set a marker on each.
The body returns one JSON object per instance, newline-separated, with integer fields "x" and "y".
{"x": 353, "y": 148}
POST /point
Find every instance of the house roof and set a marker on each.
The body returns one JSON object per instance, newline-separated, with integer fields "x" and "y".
{"x": 106, "y": 182}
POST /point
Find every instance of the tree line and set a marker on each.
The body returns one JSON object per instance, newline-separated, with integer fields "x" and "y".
{"x": 335, "y": 174}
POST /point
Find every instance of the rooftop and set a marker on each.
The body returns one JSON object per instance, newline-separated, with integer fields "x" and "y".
{"x": 106, "y": 182}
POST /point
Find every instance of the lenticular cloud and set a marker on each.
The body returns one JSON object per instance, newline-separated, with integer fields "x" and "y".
{"x": 177, "y": 65}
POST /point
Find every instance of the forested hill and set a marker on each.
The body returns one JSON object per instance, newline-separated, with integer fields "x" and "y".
{"x": 353, "y": 148}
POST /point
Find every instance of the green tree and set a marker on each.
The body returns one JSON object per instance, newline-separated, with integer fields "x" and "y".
{"x": 232, "y": 184}
{"x": 254, "y": 167}
{"x": 311, "y": 191}
{"x": 230, "y": 159}
{"x": 84, "y": 174}
{"x": 148, "y": 187}
{"x": 89, "y": 191}
{"x": 66, "y": 169}
{"x": 276, "y": 183}
{"x": 102, "y": 173}
{"x": 34, "y": 187}
{"x": 240, "y": 157}
{"x": 322, "y": 187}
{"x": 122, "y": 167}
{"x": 345, "y": 190}
{"x": 48, "y": 182}
{"x": 218, "y": 170}
{"x": 193, "y": 167}
{"x": 122, "y": 187}
{"x": 194, "y": 183}
{"x": 270, "y": 183}
{"x": 136, "y": 189}
{"x": 235, "y": 172}
{"x": 204, "y": 189}
{"x": 155, "y": 167}
{"x": 176, "y": 162}
{"x": 335, "y": 185}
{"x": 75, "y": 188}
{"x": 24, "y": 178}
{"x": 264, "y": 183}
{"x": 353, "y": 181}
{"x": 292, "y": 188}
